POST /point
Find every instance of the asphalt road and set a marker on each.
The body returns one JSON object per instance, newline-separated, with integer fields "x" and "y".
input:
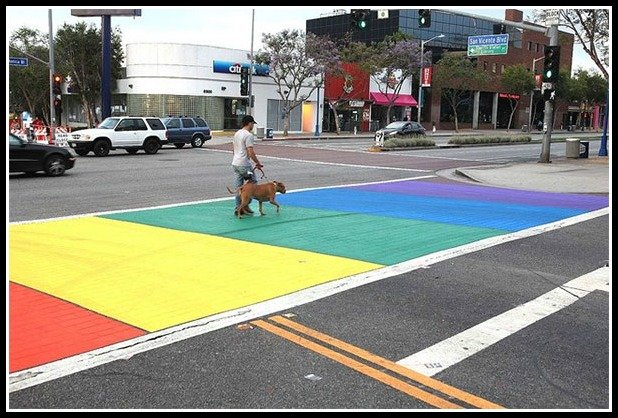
{"x": 560, "y": 362}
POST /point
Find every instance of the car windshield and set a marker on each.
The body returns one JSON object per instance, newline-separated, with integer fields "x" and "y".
{"x": 109, "y": 123}
{"x": 15, "y": 140}
{"x": 396, "y": 125}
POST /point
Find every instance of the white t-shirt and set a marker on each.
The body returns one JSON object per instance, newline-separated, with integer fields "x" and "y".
{"x": 242, "y": 139}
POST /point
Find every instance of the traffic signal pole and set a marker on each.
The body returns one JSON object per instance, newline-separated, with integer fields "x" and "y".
{"x": 549, "y": 106}
{"x": 52, "y": 112}
{"x": 250, "y": 87}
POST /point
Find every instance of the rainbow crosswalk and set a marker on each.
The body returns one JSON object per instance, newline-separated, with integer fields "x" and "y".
{"x": 115, "y": 276}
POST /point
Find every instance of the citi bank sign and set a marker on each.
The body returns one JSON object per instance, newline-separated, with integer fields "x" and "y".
{"x": 230, "y": 67}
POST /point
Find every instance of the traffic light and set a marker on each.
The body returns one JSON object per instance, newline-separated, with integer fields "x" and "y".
{"x": 360, "y": 18}
{"x": 499, "y": 28}
{"x": 424, "y": 18}
{"x": 244, "y": 81}
{"x": 57, "y": 80}
{"x": 57, "y": 84}
{"x": 549, "y": 94}
{"x": 551, "y": 65}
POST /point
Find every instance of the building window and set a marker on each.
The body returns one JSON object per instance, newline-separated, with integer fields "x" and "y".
{"x": 502, "y": 69}
{"x": 485, "y": 65}
{"x": 529, "y": 45}
{"x": 494, "y": 67}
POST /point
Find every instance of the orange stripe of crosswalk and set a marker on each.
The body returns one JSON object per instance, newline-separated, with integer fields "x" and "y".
{"x": 413, "y": 391}
{"x": 404, "y": 371}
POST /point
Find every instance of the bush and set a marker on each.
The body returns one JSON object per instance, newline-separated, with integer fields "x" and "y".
{"x": 409, "y": 142}
{"x": 488, "y": 139}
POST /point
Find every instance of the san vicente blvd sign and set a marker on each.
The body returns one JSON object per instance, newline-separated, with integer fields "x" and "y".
{"x": 488, "y": 45}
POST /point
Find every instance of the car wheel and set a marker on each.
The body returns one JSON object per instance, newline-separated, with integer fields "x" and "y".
{"x": 179, "y": 145}
{"x": 101, "y": 148}
{"x": 132, "y": 151}
{"x": 197, "y": 141}
{"x": 55, "y": 165}
{"x": 151, "y": 146}
{"x": 82, "y": 151}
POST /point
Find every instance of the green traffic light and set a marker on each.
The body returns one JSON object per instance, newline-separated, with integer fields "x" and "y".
{"x": 362, "y": 24}
{"x": 422, "y": 20}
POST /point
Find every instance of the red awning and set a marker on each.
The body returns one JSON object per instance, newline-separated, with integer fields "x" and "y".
{"x": 385, "y": 99}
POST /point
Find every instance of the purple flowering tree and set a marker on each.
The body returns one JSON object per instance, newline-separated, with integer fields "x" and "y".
{"x": 297, "y": 65}
{"x": 390, "y": 63}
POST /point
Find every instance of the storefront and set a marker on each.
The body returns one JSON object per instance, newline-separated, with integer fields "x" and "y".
{"x": 198, "y": 80}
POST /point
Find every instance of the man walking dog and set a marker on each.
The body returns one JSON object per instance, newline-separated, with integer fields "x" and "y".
{"x": 243, "y": 154}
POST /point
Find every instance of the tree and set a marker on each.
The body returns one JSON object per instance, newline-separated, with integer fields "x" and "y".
{"x": 591, "y": 90}
{"x": 78, "y": 56}
{"x": 297, "y": 65}
{"x": 456, "y": 76}
{"x": 517, "y": 81}
{"x": 390, "y": 63}
{"x": 29, "y": 86}
{"x": 591, "y": 29}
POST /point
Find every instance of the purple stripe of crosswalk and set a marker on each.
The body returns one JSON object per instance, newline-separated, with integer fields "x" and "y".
{"x": 494, "y": 194}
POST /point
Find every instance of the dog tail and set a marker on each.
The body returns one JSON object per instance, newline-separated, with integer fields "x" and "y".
{"x": 228, "y": 189}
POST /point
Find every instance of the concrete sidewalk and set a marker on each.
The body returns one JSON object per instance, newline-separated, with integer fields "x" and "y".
{"x": 561, "y": 175}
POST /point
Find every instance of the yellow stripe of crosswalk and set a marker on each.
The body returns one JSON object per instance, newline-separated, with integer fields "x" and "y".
{"x": 154, "y": 278}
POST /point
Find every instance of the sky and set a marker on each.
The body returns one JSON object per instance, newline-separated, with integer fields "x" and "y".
{"x": 223, "y": 26}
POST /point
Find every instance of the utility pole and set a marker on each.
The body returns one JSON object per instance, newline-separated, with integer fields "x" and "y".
{"x": 52, "y": 111}
{"x": 250, "y": 89}
{"x": 549, "y": 104}
{"x": 532, "y": 93}
{"x": 603, "y": 148}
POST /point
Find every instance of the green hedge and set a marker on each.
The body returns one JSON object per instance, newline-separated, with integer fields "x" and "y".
{"x": 488, "y": 139}
{"x": 408, "y": 142}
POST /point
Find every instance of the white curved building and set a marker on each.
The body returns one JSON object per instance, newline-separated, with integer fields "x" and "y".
{"x": 183, "y": 79}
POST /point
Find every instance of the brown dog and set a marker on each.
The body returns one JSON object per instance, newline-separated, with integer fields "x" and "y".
{"x": 261, "y": 192}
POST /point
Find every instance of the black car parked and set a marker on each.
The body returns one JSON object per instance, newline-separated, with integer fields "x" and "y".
{"x": 26, "y": 157}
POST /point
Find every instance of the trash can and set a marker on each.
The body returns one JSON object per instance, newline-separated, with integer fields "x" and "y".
{"x": 583, "y": 149}
{"x": 572, "y": 148}
{"x": 260, "y": 132}
{"x": 269, "y": 133}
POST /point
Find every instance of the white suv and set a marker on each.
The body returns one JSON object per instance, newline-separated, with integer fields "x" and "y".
{"x": 130, "y": 133}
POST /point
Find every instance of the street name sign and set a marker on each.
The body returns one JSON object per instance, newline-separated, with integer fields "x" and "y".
{"x": 488, "y": 45}
{"x": 18, "y": 62}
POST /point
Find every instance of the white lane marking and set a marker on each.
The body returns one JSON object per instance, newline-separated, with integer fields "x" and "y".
{"x": 451, "y": 351}
{"x": 329, "y": 163}
{"x": 126, "y": 349}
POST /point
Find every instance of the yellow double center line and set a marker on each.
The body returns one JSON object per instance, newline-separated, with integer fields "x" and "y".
{"x": 411, "y": 390}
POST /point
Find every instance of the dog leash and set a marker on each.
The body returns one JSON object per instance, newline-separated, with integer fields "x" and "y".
{"x": 261, "y": 171}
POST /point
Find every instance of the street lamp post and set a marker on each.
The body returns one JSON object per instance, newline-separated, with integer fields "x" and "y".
{"x": 532, "y": 93}
{"x": 317, "y": 117}
{"x": 420, "y": 76}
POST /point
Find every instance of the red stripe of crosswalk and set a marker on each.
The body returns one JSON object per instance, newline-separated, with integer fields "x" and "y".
{"x": 43, "y": 328}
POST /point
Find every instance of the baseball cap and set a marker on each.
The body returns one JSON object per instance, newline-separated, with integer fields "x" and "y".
{"x": 247, "y": 119}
